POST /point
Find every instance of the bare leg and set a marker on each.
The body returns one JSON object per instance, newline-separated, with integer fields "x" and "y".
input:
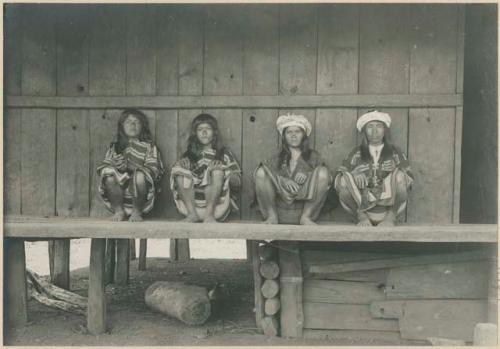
{"x": 115, "y": 195}
{"x": 212, "y": 194}
{"x": 187, "y": 196}
{"x": 312, "y": 209}
{"x": 266, "y": 196}
{"x": 139, "y": 197}
{"x": 350, "y": 204}
{"x": 399, "y": 202}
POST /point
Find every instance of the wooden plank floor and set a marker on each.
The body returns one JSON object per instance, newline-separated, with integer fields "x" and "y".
{"x": 39, "y": 227}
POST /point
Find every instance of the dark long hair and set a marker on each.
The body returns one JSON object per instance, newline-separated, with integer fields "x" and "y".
{"x": 194, "y": 147}
{"x": 122, "y": 139}
{"x": 388, "y": 147}
{"x": 286, "y": 154}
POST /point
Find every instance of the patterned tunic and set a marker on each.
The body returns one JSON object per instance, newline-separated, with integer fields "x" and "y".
{"x": 138, "y": 155}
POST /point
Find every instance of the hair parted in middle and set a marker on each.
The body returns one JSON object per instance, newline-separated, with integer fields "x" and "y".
{"x": 388, "y": 147}
{"x": 194, "y": 147}
{"x": 122, "y": 139}
{"x": 285, "y": 153}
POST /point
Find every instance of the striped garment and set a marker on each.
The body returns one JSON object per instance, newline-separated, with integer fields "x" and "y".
{"x": 199, "y": 175}
{"x": 139, "y": 155}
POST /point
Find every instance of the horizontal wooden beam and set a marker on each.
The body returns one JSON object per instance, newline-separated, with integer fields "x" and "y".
{"x": 92, "y": 228}
{"x": 197, "y": 102}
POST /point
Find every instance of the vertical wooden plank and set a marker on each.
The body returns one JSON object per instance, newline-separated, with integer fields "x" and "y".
{"x": 103, "y": 126}
{"x": 179, "y": 250}
{"x": 166, "y": 141}
{"x": 141, "y": 50}
{"x": 60, "y": 275}
{"x": 38, "y": 51}
{"x": 12, "y": 48}
{"x": 38, "y": 164}
{"x": 122, "y": 261}
{"x": 168, "y": 48}
{"x": 108, "y": 50}
{"x": 261, "y": 50}
{"x": 431, "y": 141}
{"x": 384, "y": 49}
{"x": 433, "y": 59}
{"x": 338, "y": 48}
{"x": 72, "y": 32}
{"x": 223, "y": 61}
{"x": 298, "y": 49}
{"x": 260, "y": 141}
{"x": 257, "y": 284}
{"x": 12, "y": 161}
{"x": 143, "y": 248}
{"x": 493, "y": 289}
{"x": 292, "y": 316}
{"x": 132, "y": 250}
{"x": 191, "y": 35}
{"x": 457, "y": 172}
{"x": 460, "y": 47}
{"x": 16, "y": 298}
{"x": 110, "y": 261}
{"x": 96, "y": 310}
{"x": 73, "y": 171}
{"x": 335, "y": 138}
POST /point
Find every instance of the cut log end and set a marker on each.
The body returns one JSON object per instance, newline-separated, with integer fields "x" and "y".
{"x": 270, "y": 288}
{"x": 269, "y": 269}
{"x": 270, "y": 326}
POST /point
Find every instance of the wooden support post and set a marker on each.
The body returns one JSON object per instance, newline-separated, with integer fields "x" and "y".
{"x": 122, "y": 261}
{"x": 16, "y": 300}
{"x": 249, "y": 250}
{"x": 96, "y": 310}
{"x": 59, "y": 252}
{"x": 132, "y": 250}
{"x": 143, "y": 249}
{"x": 292, "y": 316}
{"x": 257, "y": 282}
{"x": 110, "y": 261}
{"x": 493, "y": 290}
{"x": 179, "y": 250}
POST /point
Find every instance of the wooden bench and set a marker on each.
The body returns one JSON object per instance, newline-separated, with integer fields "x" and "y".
{"x": 19, "y": 229}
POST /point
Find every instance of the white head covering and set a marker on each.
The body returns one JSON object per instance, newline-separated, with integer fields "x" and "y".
{"x": 288, "y": 120}
{"x": 373, "y": 116}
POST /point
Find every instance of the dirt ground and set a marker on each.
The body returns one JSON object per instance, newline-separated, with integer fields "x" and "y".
{"x": 131, "y": 323}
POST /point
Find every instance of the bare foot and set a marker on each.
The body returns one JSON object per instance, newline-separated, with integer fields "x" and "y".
{"x": 135, "y": 216}
{"x": 210, "y": 219}
{"x": 191, "y": 219}
{"x": 271, "y": 220}
{"x": 306, "y": 221}
{"x": 118, "y": 216}
{"x": 364, "y": 223}
{"x": 389, "y": 220}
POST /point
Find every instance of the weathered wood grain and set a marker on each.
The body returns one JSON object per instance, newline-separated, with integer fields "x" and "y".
{"x": 272, "y": 306}
{"x": 73, "y": 163}
{"x": 342, "y": 292}
{"x": 257, "y": 284}
{"x": 344, "y": 317}
{"x": 143, "y": 250}
{"x": 110, "y": 261}
{"x": 12, "y": 49}
{"x": 179, "y": 250}
{"x": 298, "y": 49}
{"x": 431, "y": 140}
{"x": 269, "y": 269}
{"x": 292, "y": 315}
{"x": 270, "y": 325}
{"x": 122, "y": 267}
{"x": 338, "y": 48}
{"x": 384, "y": 56}
{"x": 457, "y": 173}
{"x": 168, "y": 46}
{"x": 385, "y": 337}
{"x": 108, "y": 50}
{"x": 16, "y": 298}
{"x": 72, "y": 30}
{"x": 270, "y": 288}
{"x": 96, "y": 310}
{"x": 141, "y": 29}
{"x": 59, "y": 256}
{"x": 378, "y": 276}
{"x": 438, "y": 281}
{"x": 12, "y": 160}
{"x": 433, "y": 58}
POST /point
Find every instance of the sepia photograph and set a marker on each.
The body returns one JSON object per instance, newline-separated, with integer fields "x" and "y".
{"x": 250, "y": 174}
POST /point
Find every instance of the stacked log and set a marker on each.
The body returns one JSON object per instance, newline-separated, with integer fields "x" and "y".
{"x": 266, "y": 273}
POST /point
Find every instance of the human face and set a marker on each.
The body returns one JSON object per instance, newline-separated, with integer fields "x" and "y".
{"x": 294, "y": 136}
{"x": 132, "y": 127}
{"x": 375, "y": 131}
{"x": 205, "y": 134}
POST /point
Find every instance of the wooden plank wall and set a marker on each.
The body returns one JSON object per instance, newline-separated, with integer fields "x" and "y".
{"x": 225, "y": 50}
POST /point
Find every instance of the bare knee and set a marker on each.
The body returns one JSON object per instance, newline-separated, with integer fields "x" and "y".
{"x": 323, "y": 175}
{"x": 180, "y": 180}
{"x": 217, "y": 175}
{"x": 341, "y": 184}
{"x": 140, "y": 178}
{"x": 110, "y": 181}
{"x": 401, "y": 182}
{"x": 260, "y": 174}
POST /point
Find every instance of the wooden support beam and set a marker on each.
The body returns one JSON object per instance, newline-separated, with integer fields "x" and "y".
{"x": 132, "y": 250}
{"x": 493, "y": 290}
{"x": 257, "y": 284}
{"x": 96, "y": 310}
{"x": 122, "y": 261}
{"x": 16, "y": 300}
{"x": 202, "y": 102}
{"x": 249, "y": 250}
{"x": 27, "y": 227}
{"x": 179, "y": 250}
{"x": 143, "y": 249}
{"x": 110, "y": 261}
{"x": 59, "y": 257}
{"x": 292, "y": 316}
